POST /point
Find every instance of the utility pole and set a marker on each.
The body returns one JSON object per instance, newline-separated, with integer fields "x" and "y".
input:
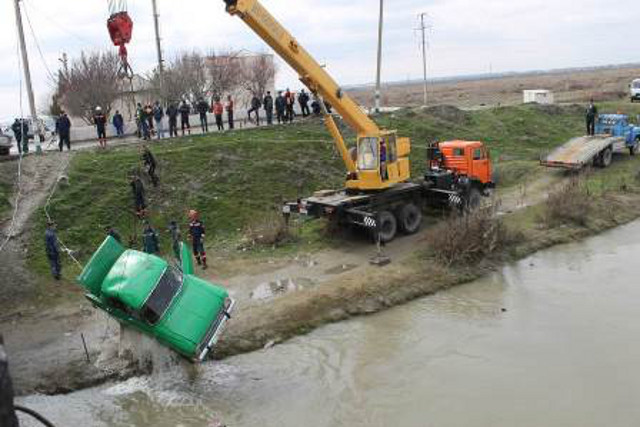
{"x": 157, "y": 28}
{"x": 423, "y": 28}
{"x": 27, "y": 78}
{"x": 377, "y": 94}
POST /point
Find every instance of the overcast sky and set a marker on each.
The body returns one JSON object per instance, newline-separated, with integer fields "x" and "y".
{"x": 467, "y": 36}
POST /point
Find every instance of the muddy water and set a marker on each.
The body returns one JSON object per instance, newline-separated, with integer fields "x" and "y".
{"x": 564, "y": 353}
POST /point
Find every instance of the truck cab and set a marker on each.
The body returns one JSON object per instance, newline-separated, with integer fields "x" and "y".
{"x": 617, "y": 125}
{"x": 469, "y": 159}
{"x": 634, "y": 90}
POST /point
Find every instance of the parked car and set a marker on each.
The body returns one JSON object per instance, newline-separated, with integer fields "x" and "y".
{"x": 634, "y": 90}
{"x": 5, "y": 143}
{"x": 171, "y": 304}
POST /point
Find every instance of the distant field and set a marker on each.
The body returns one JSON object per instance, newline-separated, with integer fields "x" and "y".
{"x": 575, "y": 86}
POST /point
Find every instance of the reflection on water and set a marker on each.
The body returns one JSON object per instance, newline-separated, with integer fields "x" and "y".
{"x": 548, "y": 341}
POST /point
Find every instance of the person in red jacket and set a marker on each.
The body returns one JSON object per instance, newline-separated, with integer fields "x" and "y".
{"x": 218, "y": 109}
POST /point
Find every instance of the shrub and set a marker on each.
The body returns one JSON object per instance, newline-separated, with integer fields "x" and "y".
{"x": 269, "y": 230}
{"x": 469, "y": 238}
{"x": 569, "y": 204}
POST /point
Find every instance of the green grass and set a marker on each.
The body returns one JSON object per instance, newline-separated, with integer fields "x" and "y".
{"x": 232, "y": 178}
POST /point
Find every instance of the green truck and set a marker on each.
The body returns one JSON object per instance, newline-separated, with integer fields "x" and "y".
{"x": 171, "y": 304}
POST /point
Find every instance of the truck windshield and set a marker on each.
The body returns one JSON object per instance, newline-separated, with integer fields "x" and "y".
{"x": 368, "y": 153}
{"x": 158, "y": 302}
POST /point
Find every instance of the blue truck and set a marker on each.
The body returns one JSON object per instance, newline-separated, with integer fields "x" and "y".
{"x": 613, "y": 133}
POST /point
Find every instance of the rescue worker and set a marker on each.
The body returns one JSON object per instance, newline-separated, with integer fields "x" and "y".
{"x": 148, "y": 112}
{"x": 53, "y": 250}
{"x": 144, "y": 124}
{"x": 591, "y": 113}
{"x": 203, "y": 109}
{"x": 139, "y": 120}
{"x": 218, "y": 109}
{"x": 316, "y": 108}
{"x": 150, "y": 239}
{"x": 185, "y": 111}
{"x": 158, "y": 116}
{"x": 150, "y": 162}
{"x": 196, "y": 234}
{"x": 229, "y": 108}
{"x": 303, "y": 100}
{"x": 268, "y": 107}
{"x": 172, "y": 113}
{"x": 118, "y": 124}
{"x": 255, "y": 107}
{"x": 138, "y": 196}
{"x": 113, "y": 233}
{"x": 63, "y": 127}
{"x": 100, "y": 122}
{"x": 176, "y": 237}
{"x": 17, "y": 128}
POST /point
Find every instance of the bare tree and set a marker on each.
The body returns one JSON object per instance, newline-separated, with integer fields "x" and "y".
{"x": 225, "y": 72}
{"x": 258, "y": 74}
{"x": 92, "y": 81}
{"x": 185, "y": 77}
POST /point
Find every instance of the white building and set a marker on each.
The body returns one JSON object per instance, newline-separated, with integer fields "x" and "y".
{"x": 540, "y": 96}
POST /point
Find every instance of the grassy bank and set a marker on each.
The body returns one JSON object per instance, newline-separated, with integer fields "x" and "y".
{"x": 236, "y": 179}
{"x": 7, "y": 178}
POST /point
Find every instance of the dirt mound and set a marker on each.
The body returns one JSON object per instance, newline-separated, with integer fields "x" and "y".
{"x": 448, "y": 113}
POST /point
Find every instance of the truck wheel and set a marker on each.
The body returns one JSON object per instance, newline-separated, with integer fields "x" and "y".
{"x": 410, "y": 218}
{"x": 606, "y": 157}
{"x": 473, "y": 199}
{"x": 388, "y": 226}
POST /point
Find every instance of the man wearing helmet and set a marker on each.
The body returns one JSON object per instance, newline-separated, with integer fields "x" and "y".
{"x": 100, "y": 121}
{"x": 196, "y": 234}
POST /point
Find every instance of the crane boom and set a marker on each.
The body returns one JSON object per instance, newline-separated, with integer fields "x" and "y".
{"x": 382, "y": 158}
{"x": 310, "y": 72}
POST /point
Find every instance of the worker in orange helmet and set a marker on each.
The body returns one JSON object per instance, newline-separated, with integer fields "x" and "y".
{"x": 196, "y": 234}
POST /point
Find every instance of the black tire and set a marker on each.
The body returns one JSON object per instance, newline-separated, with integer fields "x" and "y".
{"x": 410, "y": 218}
{"x": 388, "y": 226}
{"x": 473, "y": 199}
{"x": 606, "y": 157}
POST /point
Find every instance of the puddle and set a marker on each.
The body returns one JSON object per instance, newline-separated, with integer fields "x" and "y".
{"x": 268, "y": 290}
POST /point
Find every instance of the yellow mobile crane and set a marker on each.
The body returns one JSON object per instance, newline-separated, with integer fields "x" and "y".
{"x": 365, "y": 173}
{"x": 377, "y": 194}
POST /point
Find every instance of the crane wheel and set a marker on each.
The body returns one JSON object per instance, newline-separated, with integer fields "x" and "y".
{"x": 410, "y": 218}
{"x": 473, "y": 199}
{"x": 388, "y": 226}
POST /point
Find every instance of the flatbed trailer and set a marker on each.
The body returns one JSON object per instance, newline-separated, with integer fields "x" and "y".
{"x": 585, "y": 151}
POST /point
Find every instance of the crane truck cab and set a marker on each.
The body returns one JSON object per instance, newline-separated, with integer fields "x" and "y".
{"x": 381, "y": 162}
{"x": 458, "y": 172}
{"x": 634, "y": 90}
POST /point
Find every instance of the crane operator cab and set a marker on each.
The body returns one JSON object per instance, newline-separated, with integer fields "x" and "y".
{"x": 381, "y": 161}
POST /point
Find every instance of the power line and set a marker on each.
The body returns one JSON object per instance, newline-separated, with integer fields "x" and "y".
{"x": 35, "y": 38}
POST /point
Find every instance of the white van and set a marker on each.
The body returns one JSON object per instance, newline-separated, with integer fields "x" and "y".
{"x": 634, "y": 90}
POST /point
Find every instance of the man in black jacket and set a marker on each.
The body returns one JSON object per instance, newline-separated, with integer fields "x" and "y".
{"x": 20, "y": 129}
{"x": 591, "y": 113}
{"x": 268, "y": 107}
{"x": 63, "y": 126}
{"x": 185, "y": 110}
{"x": 255, "y": 107}
{"x": 203, "y": 109}
{"x": 281, "y": 105}
{"x": 53, "y": 250}
{"x": 303, "y": 100}
{"x": 172, "y": 113}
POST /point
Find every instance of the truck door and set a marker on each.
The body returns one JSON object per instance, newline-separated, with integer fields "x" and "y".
{"x": 481, "y": 166}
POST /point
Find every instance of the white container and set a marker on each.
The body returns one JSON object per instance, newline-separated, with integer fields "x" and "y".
{"x": 541, "y": 96}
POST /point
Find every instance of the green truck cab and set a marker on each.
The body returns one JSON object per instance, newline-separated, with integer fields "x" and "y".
{"x": 180, "y": 310}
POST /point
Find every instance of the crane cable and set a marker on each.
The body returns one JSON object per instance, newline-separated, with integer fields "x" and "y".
{"x": 49, "y": 218}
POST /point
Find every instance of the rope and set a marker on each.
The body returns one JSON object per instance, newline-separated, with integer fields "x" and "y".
{"x": 46, "y": 212}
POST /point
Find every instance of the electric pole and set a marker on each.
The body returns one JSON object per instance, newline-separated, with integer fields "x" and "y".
{"x": 157, "y": 28}
{"x": 377, "y": 94}
{"x": 27, "y": 78}
{"x": 423, "y": 28}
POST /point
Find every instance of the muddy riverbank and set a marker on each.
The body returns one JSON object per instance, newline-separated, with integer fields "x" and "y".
{"x": 548, "y": 340}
